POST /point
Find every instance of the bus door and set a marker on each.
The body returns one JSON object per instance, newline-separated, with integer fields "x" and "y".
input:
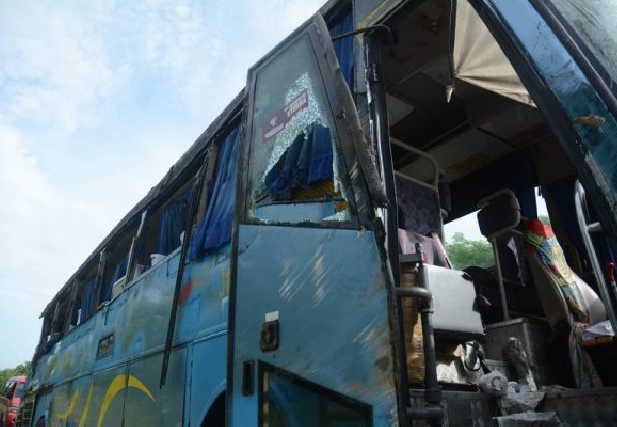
{"x": 565, "y": 54}
{"x": 309, "y": 327}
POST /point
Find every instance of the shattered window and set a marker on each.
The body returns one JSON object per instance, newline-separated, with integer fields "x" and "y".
{"x": 295, "y": 171}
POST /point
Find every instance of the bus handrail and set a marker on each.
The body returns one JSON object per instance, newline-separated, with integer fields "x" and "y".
{"x": 435, "y": 180}
{"x": 586, "y": 229}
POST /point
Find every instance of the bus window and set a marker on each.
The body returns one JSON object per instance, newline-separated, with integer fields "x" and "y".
{"x": 174, "y": 217}
{"x": 115, "y": 271}
{"x": 295, "y": 169}
{"x": 87, "y": 296}
{"x": 20, "y": 390}
{"x": 290, "y": 401}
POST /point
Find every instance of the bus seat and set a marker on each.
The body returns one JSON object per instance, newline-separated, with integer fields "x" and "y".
{"x": 419, "y": 208}
{"x": 454, "y": 296}
{"x": 564, "y": 295}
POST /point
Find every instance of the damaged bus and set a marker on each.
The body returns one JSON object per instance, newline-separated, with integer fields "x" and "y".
{"x": 289, "y": 269}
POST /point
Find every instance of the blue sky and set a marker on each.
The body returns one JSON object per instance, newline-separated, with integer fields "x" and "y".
{"x": 97, "y": 100}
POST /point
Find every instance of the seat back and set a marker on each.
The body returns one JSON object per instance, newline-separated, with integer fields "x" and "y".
{"x": 419, "y": 208}
{"x": 564, "y": 295}
{"x": 454, "y": 298}
{"x": 553, "y": 303}
{"x": 499, "y": 213}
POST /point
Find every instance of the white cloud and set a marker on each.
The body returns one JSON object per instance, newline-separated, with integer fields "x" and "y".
{"x": 32, "y": 245}
{"x": 59, "y": 68}
{"x": 279, "y": 17}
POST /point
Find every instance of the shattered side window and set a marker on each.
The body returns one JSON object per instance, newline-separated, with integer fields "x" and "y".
{"x": 295, "y": 170}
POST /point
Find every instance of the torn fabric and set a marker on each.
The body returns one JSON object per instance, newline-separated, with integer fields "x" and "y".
{"x": 478, "y": 59}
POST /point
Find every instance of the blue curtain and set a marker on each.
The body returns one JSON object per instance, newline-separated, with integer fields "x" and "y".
{"x": 215, "y": 228}
{"x": 307, "y": 161}
{"x": 87, "y": 303}
{"x": 344, "y": 47}
{"x": 173, "y": 222}
{"x": 119, "y": 271}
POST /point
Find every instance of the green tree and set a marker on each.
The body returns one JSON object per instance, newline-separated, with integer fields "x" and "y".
{"x": 464, "y": 253}
{"x": 21, "y": 369}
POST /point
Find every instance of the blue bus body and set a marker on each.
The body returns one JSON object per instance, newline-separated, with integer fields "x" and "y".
{"x": 136, "y": 318}
{"x": 287, "y": 313}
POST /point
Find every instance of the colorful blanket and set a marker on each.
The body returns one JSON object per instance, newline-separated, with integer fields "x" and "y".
{"x": 543, "y": 244}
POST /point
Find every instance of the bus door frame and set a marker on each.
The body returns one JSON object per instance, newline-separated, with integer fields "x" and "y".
{"x": 362, "y": 179}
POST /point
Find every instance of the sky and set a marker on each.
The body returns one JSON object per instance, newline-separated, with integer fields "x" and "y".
{"x": 97, "y": 100}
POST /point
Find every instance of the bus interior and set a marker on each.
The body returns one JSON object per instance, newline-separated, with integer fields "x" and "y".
{"x": 463, "y": 143}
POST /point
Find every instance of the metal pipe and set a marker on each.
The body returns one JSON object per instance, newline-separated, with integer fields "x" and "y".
{"x": 427, "y": 413}
{"x": 130, "y": 269}
{"x": 171, "y": 325}
{"x": 415, "y": 292}
{"x": 579, "y": 199}
{"x": 381, "y": 27}
{"x": 420, "y": 153}
{"x": 380, "y": 134}
{"x": 502, "y": 289}
{"x": 432, "y": 391}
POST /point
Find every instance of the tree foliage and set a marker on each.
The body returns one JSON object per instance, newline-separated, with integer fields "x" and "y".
{"x": 21, "y": 369}
{"x": 464, "y": 253}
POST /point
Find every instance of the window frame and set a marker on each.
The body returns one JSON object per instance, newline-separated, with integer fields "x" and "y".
{"x": 349, "y": 141}
{"x": 595, "y": 70}
{"x": 264, "y": 368}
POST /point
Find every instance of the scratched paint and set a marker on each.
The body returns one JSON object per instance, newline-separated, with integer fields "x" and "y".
{"x": 77, "y": 382}
{"x": 334, "y": 328}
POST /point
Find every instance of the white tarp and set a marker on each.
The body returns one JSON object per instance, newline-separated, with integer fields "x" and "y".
{"x": 479, "y": 60}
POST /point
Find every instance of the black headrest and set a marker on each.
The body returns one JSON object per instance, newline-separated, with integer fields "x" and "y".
{"x": 499, "y": 213}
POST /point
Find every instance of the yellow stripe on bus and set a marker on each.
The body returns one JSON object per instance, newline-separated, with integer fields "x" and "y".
{"x": 117, "y": 385}
{"x": 69, "y": 409}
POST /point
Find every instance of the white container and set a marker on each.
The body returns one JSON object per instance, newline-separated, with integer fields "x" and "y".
{"x": 155, "y": 259}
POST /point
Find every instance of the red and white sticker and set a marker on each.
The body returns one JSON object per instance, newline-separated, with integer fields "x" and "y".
{"x": 282, "y": 118}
